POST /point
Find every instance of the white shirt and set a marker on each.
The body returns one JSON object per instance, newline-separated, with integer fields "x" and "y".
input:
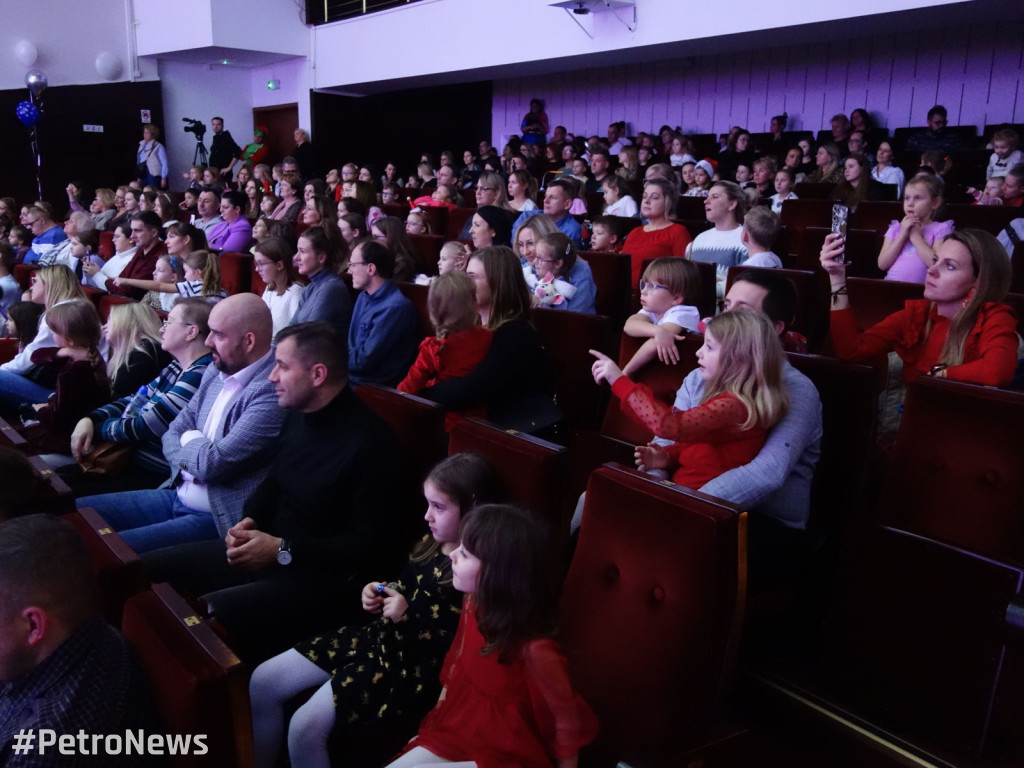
{"x": 765, "y": 259}
{"x": 683, "y": 315}
{"x": 192, "y": 493}
{"x": 112, "y": 268}
{"x": 624, "y": 206}
{"x": 283, "y": 306}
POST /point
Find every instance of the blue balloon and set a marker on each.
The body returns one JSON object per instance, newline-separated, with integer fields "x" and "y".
{"x": 27, "y": 113}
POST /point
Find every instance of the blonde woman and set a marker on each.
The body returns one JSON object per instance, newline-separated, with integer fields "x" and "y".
{"x": 133, "y": 333}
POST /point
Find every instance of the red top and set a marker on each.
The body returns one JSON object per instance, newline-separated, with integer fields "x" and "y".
{"x": 450, "y": 358}
{"x": 990, "y": 350}
{"x": 519, "y": 715}
{"x": 641, "y": 246}
{"x": 709, "y": 438}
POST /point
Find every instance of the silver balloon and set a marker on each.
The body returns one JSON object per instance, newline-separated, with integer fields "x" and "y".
{"x": 36, "y": 82}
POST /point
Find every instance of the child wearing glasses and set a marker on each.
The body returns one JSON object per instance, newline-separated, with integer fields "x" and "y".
{"x": 664, "y": 289}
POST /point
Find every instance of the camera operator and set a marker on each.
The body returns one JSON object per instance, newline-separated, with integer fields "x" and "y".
{"x": 224, "y": 152}
{"x": 151, "y": 158}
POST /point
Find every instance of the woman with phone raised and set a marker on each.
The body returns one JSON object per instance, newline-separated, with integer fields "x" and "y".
{"x": 958, "y": 331}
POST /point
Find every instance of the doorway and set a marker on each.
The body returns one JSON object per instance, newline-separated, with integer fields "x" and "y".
{"x": 280, "y": 122}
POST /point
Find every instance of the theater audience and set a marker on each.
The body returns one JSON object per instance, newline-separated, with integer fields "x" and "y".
{"x": 207, "y": 211}
{"x": 557, "y": 261}
{"x": 886, "y": 171}
{"x": 958, "y": 331}
{"x": 725, "y": 207}
{"x": 325, "y": 296}
{"x": 908, "y": 250}
{"x": 390, "y": 231}
{"x": 234, "y": 233}
{"x": 659, "y": 236}
{"x": 857, "y": 184}
{"x": 322, "y": 522}
{"x": 937, "y": 136}
{"x": 135, "y": 356}
{"x": 46, "y": 235}
{"x": 219, "y": 447}
{"x": 828, "y": 169}
{"x": 514, "y": 380}
{"x": 140, "y": 418}
{"x": 382, "y": 337}
{"x": 145, "y": 229}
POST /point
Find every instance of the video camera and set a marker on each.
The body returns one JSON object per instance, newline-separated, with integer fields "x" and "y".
{"x": 194, "y": 126}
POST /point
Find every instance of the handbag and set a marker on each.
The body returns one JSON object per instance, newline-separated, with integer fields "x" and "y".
{"x": 107, "y": 459}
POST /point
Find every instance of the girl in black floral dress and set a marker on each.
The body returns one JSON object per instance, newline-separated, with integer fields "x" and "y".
{"x": 390, "y": 666}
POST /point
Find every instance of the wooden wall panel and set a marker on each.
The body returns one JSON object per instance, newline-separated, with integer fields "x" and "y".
{"x": 977, "y": 73}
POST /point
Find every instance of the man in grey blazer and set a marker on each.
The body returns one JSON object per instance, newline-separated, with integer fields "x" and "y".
{"x": 219, "y": 447}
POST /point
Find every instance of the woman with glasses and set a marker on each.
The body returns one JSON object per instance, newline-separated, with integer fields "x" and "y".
{"x": 325, "y": 297}
{"x": 142, "y": 417}
{"x": 272, "y": 260}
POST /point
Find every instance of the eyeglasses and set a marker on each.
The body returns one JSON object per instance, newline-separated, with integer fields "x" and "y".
{"x": 261, "y": 264}
{"x": 648, "y": 286}
{"x": 539, "y": 260}
{"x": 355, "y": 264}
{"x": 168, "y": 321}
{"x": 486, "y": 189}
{"x": 32, "y": 223}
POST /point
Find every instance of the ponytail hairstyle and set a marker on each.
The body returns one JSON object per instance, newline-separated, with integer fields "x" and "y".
{"x": 206, "y": 262}
{"x": 468, "y": 480}
{"x": 994, "y": 274}
{"x": 516, "y": 594}
{"x": 749, "y": 366}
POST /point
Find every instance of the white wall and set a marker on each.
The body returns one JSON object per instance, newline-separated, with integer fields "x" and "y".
{"x": 977, "y": 72}
{"x": 257, "y": 25}
{"x": 485, "y": 33}
{"x": 200, "y": 91}
{"x": 295, "y": 85}
{"x": 69, "y": 36}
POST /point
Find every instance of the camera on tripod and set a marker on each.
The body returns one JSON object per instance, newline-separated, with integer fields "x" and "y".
{"x": 196, "y": 127}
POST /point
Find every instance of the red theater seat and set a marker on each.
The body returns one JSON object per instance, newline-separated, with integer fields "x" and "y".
{"x": 812, "y": 290}
{"x": 418, "y": 295}
{"x": 108, "y": 300}
{"x": 119, "y": 569}
{"x": 428, "y": 251}
{"x": 199, "y": 684}
{"x": 532, "y": 470}
{"x": 874, "y": 300}
{"x": 236, "y": 271}
{"x": 568, "y": 337}
{"x": 611, "y": 277}
{"x": 651, "y": 615}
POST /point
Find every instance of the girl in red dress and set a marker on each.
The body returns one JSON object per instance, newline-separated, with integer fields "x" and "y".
{"x": 741, "y": 364}
{"x": 507, "y": 700}
{"x": 460, "y": 343}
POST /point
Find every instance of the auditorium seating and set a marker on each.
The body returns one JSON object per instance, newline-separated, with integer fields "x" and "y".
{"x": 652, "y": 611}
{"x": 418, "y": 294}
{"x": 874, "y": 300}
{"x": 236, "y": 271}
{"x": 611, "y": 277}
{"x": 876, "y": 215}
{"x": 918, "y": 642}
{"x": 199, "y": 685}
{"x": 109, "y": 300}
{"x": 1017, "y": 262}
{"x": 862, "y": 248}
{"x": 106, "y": 246}
{"x": 457, "y": 218}
{"x": 568, "y": 337}
{"x": 428, "y": 251}
{"x": 532, "y": 470}
{"x": 991, "y": 218}
{"x": 955, "y": 472}
{"x": 119, "y": 569}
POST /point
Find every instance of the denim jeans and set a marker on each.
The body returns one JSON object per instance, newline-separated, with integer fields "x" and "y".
{"x": 16, "y": 389}
{"x": 152, "y": 519}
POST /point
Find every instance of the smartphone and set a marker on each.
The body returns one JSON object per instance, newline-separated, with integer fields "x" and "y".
{"x": 840, "y": 217}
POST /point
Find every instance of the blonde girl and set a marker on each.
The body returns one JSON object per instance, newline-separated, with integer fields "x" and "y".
{"x": 459, "y": 345}
{"x": 909, "y": 246}
{"x": 136, "y": 358}
{"x": 741, "y": 363}
{"x": 416, "y": 223}
{"x": 201, "y": 279}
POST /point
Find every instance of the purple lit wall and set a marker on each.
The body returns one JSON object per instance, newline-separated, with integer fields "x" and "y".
{"x": 976, "y": 72}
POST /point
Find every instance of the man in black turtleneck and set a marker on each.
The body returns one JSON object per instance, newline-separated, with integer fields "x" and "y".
{"x": 326, "y": 514}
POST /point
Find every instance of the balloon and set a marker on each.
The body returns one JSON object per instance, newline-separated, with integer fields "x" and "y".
{"x": 108, "y": 66}
{"x": 26, "y": 52}
{"x": 27, "y": 113}
{"x": 36, "y": 82}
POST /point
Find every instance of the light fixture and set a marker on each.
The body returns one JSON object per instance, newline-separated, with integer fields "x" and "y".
{"x": 273, "y": 85}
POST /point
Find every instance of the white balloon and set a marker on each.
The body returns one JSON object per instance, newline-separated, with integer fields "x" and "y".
{"x": 26, "y": 52}
{"x": 108, "y": 66}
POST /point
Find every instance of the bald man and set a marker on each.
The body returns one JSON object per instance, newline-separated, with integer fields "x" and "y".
{"x": 219, "y": 447}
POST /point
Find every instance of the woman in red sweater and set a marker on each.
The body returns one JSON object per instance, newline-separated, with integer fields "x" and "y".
{"x": 959, "y": 331}
{"x": 660, "y": 236}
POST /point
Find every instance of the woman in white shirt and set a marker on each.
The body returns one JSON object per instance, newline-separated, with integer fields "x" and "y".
{"x": 886, "y": 171}
{"x": 124, "y": 250}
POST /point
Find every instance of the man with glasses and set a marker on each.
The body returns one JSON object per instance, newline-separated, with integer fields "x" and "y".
{"x": 382, "y": 337}
{"x": 46, "y": 235}
{"x": 220, "y": 446}
{"x": 937, "y": 136}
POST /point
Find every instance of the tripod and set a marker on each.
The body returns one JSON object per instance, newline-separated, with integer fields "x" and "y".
{"x": 201, "y": 157}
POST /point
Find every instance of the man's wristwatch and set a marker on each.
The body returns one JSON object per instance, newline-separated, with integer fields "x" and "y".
{"x": 284, "y": 552}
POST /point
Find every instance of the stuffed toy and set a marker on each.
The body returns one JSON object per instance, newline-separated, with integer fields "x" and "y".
{"x": 551, "y": 291}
